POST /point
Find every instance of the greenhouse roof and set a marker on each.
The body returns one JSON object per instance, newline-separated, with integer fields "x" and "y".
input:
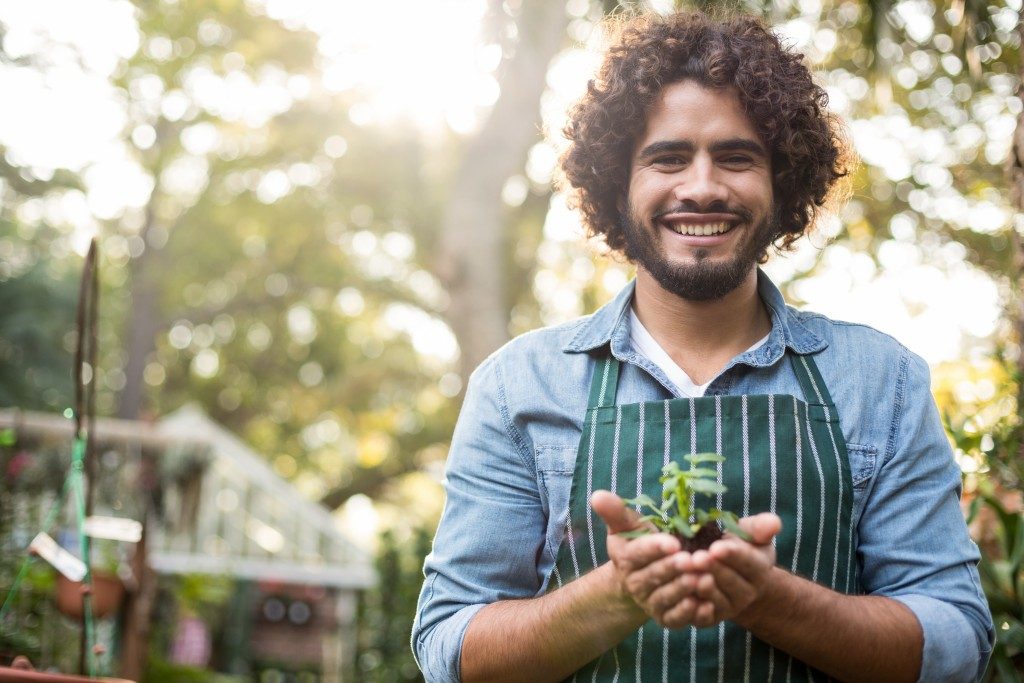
{"x": 223, "y": 510}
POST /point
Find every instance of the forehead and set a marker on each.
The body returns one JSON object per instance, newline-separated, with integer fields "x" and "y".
{"x": 687, "y": 110}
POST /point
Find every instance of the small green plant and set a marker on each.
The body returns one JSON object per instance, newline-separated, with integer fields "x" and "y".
{"x": 678, "y": 515}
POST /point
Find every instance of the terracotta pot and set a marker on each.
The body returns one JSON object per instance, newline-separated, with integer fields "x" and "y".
{"x": 107, "y": 593}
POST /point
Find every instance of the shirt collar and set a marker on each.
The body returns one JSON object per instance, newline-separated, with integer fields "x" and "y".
{"x": 610, "y": 325}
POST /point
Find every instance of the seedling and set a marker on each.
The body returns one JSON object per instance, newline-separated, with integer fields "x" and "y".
{"x": 677, "y": 514}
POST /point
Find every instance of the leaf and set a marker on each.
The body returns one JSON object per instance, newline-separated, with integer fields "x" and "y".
{"x": 731, "y": 525}
{"x": 706, "y": 486}
{"x": 973, "y": 508}
{"x": 643, "y": 500}
{"x": 669, "y": 471}
{"x": 682, "y": 527}
{"x": 699, "y": 472}
{"x": 697, "y": 458}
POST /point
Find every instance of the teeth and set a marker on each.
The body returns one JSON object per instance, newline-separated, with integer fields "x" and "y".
{"x": 701, "y": 229}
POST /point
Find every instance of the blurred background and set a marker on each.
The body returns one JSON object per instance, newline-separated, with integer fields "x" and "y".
{"x": 316, "y": 218}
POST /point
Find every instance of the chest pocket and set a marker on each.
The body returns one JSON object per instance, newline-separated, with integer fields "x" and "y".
{"x": 862, "y": 470}
{"x": 862, "y": 464}
{"x": 555, "y": 465}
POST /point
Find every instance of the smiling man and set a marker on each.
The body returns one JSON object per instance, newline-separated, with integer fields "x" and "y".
{"x": 701, "y": 145}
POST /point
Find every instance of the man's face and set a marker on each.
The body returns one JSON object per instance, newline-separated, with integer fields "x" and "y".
{"x": 700, "y": 207}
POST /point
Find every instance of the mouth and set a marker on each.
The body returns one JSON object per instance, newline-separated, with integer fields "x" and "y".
{"x": 699, "y": 229}
{"x": 706, "y": 225}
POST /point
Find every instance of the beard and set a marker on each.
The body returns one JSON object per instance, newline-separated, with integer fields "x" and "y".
{"x": 703, "y": 279}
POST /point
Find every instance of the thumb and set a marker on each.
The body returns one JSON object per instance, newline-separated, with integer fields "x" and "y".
{"x": 762, "y": 527}
{"x": 616, "y": 515}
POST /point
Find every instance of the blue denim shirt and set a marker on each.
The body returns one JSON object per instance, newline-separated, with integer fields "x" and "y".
{"x": 511, "y": 462}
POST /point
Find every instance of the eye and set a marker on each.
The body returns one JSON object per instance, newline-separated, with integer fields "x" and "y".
{"x": 669, "y": 160}
{"x": 737, "y": 160}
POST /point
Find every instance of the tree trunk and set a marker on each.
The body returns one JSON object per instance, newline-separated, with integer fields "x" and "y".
{"x": 142, "y": 327}
{"x": 474, "y": 240}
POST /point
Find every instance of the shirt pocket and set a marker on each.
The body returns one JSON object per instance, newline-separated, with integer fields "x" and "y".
{"x": 555, "y": 466}
{"x": 862, "y": 464}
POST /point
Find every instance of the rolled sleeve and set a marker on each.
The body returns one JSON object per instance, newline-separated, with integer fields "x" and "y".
{"x": 491, "y": 532}
{"x": 947, "y": 634}
{"x": 913, "y": 542}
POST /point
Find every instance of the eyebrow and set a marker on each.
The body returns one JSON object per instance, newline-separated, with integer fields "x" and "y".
{"x": 728, "y": 145}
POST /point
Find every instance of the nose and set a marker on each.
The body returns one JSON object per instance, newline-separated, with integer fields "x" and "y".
{"x": 700, "y": 184}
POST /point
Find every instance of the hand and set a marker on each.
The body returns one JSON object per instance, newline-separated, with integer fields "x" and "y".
{"x": 651, "y": 571}
{"x": 733, "y": 572}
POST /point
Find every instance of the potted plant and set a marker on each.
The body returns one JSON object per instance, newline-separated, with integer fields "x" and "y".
{"x": 678, "y": 515}
{"x": 108, "y": 586}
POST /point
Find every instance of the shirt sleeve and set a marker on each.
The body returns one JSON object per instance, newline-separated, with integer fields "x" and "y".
{"x": 913, "y": 542}
{"x": 491, "y": 531}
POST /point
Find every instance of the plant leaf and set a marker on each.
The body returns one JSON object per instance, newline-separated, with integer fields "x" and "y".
{"x": 680, "y": 526}
{"x": 728, "y": 521}
{"x": 696, "y": 458}
{"x": 700, "y": 472}
{"x": 671, "y": 467}
{"x": 642, "y": 499}
{"x": 706, "y": 486}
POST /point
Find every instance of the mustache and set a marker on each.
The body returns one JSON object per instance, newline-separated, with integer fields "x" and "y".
{"x": 716, "y": 207}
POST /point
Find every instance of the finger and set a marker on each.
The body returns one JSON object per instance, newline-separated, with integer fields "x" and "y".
{"x": 708, "y": 590}
{"x": 762, "y": 528}
{"x": 705, "y": 615}
{"x": 735, "y": 590}
{"x": 670, "y": 593}
{"x": 643, "y": 582}
{"x": 682, "y": 614}
{"x": 749, "y": 561}
{"x": 617, "y": 516}
{"x": 632, "y": 555}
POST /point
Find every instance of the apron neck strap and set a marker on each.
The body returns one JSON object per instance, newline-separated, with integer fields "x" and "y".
{"x": 605, "y": 382}
{"x": 810, "y": 379}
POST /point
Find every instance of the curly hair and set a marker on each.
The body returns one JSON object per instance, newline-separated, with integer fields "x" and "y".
{"x": 807, "y": 143}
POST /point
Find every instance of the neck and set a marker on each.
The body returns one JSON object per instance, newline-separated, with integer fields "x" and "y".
{"x": 701, "y": 336}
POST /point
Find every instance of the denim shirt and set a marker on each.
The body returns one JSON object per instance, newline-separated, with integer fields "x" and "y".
{"x": 510, "y": 468}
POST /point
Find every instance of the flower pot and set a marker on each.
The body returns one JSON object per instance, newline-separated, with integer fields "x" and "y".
{"x": 107, "y": 593}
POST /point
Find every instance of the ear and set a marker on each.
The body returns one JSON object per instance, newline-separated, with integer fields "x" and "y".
{"x": 621, "y": 204}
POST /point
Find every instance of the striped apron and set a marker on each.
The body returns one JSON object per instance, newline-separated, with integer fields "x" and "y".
{"x": 782, "y": 455}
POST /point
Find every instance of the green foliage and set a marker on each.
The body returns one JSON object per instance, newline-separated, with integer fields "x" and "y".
{"x": 987, "y": 436}
{"x": 387, "y": 611}
{"x": 1002, "y": 578}
{"x": 677, "y": 512}
{"x": 37, "y": 309}
{"x": 161, "y": 671}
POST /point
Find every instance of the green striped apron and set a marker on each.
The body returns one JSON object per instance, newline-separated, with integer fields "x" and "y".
{"x": 782, "y": 455}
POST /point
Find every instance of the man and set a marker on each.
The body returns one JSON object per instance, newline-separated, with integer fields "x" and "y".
{"x": 700, "y": 144}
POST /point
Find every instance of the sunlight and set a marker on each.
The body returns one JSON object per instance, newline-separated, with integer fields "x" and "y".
{"x": 423, "y": 62}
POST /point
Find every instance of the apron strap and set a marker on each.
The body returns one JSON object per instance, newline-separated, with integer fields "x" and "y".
{"x": 605, "y": 382}
{"x": 811, "y": 381}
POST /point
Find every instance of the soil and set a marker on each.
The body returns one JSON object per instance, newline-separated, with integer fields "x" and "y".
{"x": 708, "y": 534}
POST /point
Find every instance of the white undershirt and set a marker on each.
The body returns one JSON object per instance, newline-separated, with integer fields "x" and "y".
{"x": 646, "y": 345}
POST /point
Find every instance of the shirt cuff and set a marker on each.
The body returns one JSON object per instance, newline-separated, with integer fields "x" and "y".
{"x": 439, "y": 651}
{"x": 951, "y": 650}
